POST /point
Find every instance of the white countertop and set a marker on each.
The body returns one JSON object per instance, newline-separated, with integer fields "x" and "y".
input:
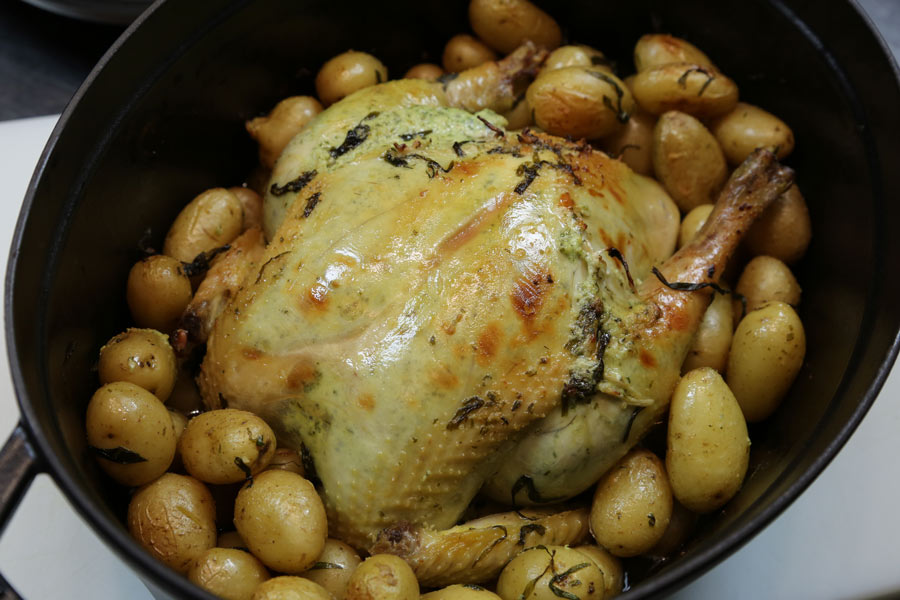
{"x": 837, "y": 541}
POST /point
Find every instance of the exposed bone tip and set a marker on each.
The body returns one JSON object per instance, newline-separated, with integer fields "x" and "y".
{"x": 401, "y": 539}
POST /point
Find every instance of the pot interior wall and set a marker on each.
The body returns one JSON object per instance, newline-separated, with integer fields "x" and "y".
{"x": 163, "y": 120}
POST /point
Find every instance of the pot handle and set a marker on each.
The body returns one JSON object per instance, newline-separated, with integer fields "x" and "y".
{"x": 18, "y": 465}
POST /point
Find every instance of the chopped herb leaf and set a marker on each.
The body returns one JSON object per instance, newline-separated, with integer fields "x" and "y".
{"x": 559, "y": 592}
{"x": 294, "y": 185}
{"x": 248, "y": 474}
{"x": 615, "y": 253}
{"x": 493, "y": 544}
{"x": 409, "y": 136}
{"x": 119, "y": 455}
{"x": 621, "y": 114}
{"x": 680, "y": 286}
{"x": 634, "y": 414}
{"x": 497, "y": 131}
{"x": 325, "y": 565}
{"x": 311, "y": 204}
{"x": 354, "y": 138}
{"x": 469, "y": 406}
{"x": 528, "y": 528}
{"x": 682, "y": 81}
{"x": 201, "y": 262}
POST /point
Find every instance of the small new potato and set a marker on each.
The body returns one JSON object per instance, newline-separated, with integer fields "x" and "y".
{"x": 690, "y": 88}
{"x": 288, "y": 587}
{"x": 784, "y": 230}
{"x": 383, "y": 577}
{"x": 273, "y": 131}
{"x": 713, "y": 338}
{"x": 209, "y": 221}
{"x": 609, "y": 565}
{"x": 464, "y": 52}
{"x": 766, "y": 279}
{"x": 228, "y": 573}
{"x": 633, "y": 143}
{"x": 286, "y": 459}
{"x": 252, "y": 205}
{"x": 766, "y": 354}
{"x": 657, "y": 49}
{"x": 142, "y": 357}
{"x": 693, "y": 222}
{"x": 347, "y": 73}
{"x": 660, "y": 215}
{"x": 520, "y": 115}
{"x": 282, "y": 519}
{"x": 551, "y": 572}
{"x": 427, "y": 71}
{"x": 749, "y": 127}
{"x": 687, "y": 160}
{"x": 226, "y": 446}
{"x": 334, "y": 567}
{"x": 173, "y": 518}
{"x": 507, "y": 24}
{"x": 579, "y": 102}
{"x": 130, "y": 432}
{"x": 157, "y": 292}
{"x": 460, "y": 592}
{"x": 708, "y": 446}
{"x": 576, "y": 56}
{"x": 632, "y": 504}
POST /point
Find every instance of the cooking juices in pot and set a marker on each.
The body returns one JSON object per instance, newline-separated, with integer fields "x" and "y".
{"x": 500, "y": 323}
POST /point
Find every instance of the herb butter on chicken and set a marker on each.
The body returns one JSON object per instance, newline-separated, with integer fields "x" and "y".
{"x": 446, "y": 307}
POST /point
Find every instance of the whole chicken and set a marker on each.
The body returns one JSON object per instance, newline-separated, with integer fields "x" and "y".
{"x": 445, "y": 307}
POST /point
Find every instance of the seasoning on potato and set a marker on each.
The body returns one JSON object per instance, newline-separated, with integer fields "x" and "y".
{"x": 281, "y": 517}
{"x": 334, "y": 567}
{"x": 226, "y": 446}
{"x": 766, "y": 279}
{"x": 273, "y": 131}
{"x": 690, "y": 88}
{"x": 767, "y": 352}
{"x": 550, "y": 572}
{"x": 347, "y": 73}
{"x": 157, "y": 292}
{"x": 609, "y": 565}
{"x": 746, "y": 128}
{"x": 708, "y": 446}
{"x": 657, "y": 49}
{"x": 632, "y": 504}
{"x": 173, "y": 518}
{"x": 576, "y": 56}
{"x": 228, "y": 573}
{"x": 504, "y": 25}
{"x": 383, "y": 577}
{"x": 130, "y": 432}
{"x": 464, "y": 52}
{"x": 142, "y": 357}
{"x": 209, "y": 221}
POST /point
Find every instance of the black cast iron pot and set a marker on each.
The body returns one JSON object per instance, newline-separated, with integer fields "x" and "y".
{"x": 161, "y": 118}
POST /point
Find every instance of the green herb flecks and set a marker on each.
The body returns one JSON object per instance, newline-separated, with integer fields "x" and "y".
{"x": 710, "y": 76}
{"x": 559, "y": 578}
{"x": 621, "y": 115}
{"x": 119, "y": 455}
{"x": 294, "y": 185}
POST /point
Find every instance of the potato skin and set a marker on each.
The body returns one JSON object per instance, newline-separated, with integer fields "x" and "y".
{"x": 209, "y": 221}
{"x": 633, "y": 143}
{"x": 214, "y": 442}
{"x": 657, "y": 49}
{"x": 347, "y": 73}
{"x": 784, "y": 230}
{"x": 334, "y": 567}
{"x": 142, "y": 357}
{"x": 708, "y": 446}
{"x": 748, "y": 127}
{"x": 579, "y": 102}
{"x": 157, "y": 292}
{"x": 464, "y": 52}
{"x": 228, "y": 573}
{"x": 692, "y": 222}
{"x": 428, "y": 71}
{"x": 383, "y": 577}
{"x": 273, "y": 131}
{"x": 539, "y": 572}
{"x": 173, "y": 518}
{"x": 504, "y": 25}
{"x": 766, "y": 354}
{"x": 282, "y": 520}
{"x": 693, "y": 89}
{"x": 124, "y": 415}
{"x": 577, "y": 55}
{"x": 460, "y": 592}
{"x": 632, "y": 504}
{"x": 766, "y": 279}
{"x": 609, "y": 565}
{"x": 289, "y": 587}
{"x": 713, "y": 338}
{"x": 687, "y": 160}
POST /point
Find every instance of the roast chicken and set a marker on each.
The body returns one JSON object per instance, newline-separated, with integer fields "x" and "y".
{"x": 446, "y": 308}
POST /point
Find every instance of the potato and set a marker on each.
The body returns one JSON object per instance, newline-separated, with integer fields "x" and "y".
{"x": 428, "y": 71}
{"x": 708, "y": 446}
{"x": 657, "y": 49}
{"x": 713, "y": 338}
{"x": 130, "y": 432}
{"x": 460, "y": 592}
{"x": 693, "y": 222}
{"x": 783, "y": 231}
{"x": 347, "y": 73}
{"x": 660, "y": 216}
{"x": 273, "y": 131}
{"x": 693, "y": 89}
{"x": 609, "y": 565}
{"x": 633, "y": 143}
{"x": 185, "y": 396}
{"x": 519, "y": 116}
{"x": 286, "y": 459}
{"x": 209, "y": 221}
{"x": 576, "y": 56}
{"x": 226, "y": 446}
{"x": 287, "y": 587}
{"x": 632, "y": 504}
{"x": 334, "y": 567}
{"x": 766, "y": 279}
{"x": 687, "y": 160}
{"x": 142, "y": 357}
{"x": 579, "y": 102}
{"x": 157, "y": 292}
{"x": 383, "y": 577}
{"x": 749, "y": 127}
{"x": 228, "y": 573}
{"x": 681, "y": 525}
{"x": 766, "y": 354}
{"x": 231, "y": 539}
{"x": 464, "y": 52}
{"x": 282, "y": 519}
{"x": 551, "y": 572}
{"x": 505, "y": 25}
{"x": 173, "y": 518}
{"x": 252, "y": 206}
